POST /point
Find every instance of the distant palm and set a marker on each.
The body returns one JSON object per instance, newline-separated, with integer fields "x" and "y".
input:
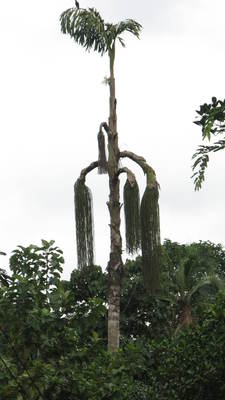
{"x": 190, "y": 282}
{"x": 193, "y": 276}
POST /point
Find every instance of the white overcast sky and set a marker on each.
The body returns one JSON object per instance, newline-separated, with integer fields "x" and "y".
{"x": 52, "y": 101}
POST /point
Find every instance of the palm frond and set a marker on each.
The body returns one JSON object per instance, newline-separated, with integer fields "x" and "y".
{"x": 128, "y": 25}
{"x": 207, "y": 280}
{"x": 86, "y": 27}
{"x": 84, "y": 224}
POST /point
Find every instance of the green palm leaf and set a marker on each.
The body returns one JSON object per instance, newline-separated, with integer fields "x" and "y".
{"x": 89, "y": 30}
{"x": 129, "y": 25}
{"x": 207, "y": 280}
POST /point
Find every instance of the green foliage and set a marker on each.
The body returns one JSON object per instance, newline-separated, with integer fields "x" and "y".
{"x": 84, "y": 223}
{"x": 150, "y": 237}
{"x": 132, "y": 216}
{"x": 212, "y": 122}
{"x": 87, "y": 302}
{"x": 43, "y": 347}
{"x": 188, "y": 366}
{"x": 53, "y": 332}
{"x": 143, "y": 317}
{"x": 192, "y": 275}
{"x": 88, "y": 29}
{"x": 212, "y": 117}
{"x": 191, "y": 365}
{"x": 4, "y": 278}
{"x": 31, "y": 318}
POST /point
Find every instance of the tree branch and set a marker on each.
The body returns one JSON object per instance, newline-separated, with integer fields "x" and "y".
{"x": 106, "y": 127}
{"x": 130, "y": 176}
{"x": 148, "y": 171}
{"x": 90, "y": 168}
{"x": 201, "y": 161}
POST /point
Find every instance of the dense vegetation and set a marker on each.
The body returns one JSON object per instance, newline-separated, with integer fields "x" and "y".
{"x": 53, "y": 339}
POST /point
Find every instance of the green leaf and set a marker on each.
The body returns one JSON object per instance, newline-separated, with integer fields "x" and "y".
{"x": 88, "y": 29}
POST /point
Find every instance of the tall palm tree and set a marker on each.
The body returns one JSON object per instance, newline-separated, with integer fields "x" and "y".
{"x": 88, "y": 29}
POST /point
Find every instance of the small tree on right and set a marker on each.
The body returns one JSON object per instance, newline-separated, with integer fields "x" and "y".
{"x": 212, "y": 122}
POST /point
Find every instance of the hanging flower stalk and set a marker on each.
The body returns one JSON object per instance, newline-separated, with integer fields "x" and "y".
{"x": 102, "y": 162}
{"x": 87, "y": 28}
{"x": 150, "y": 237}
{"x": 132, "y": 214}
{"x": 149, "y": 225}
{"x": 84, "y": 223}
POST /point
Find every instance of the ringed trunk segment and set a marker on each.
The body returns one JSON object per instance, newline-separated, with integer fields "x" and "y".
{"x": 115, "y": 272}
{"x": 113, "y": 317}
{"x": 114, "y": 205}
{"x": 115, "y": 264}
{"x": 112, "y": 97}
{"x": 112, "y": 89}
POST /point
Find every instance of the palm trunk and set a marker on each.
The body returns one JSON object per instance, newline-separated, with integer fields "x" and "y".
{"x": 186, "y": 316}
{"x": 115, "y": 264}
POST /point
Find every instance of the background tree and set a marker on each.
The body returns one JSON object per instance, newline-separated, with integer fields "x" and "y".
{"x": 32, "y": 325}
{"x": 4, "y": 278}
{"x": 212, "y": 122}
{"x": 193, "y": 274}
{"x": 88, "y": 29}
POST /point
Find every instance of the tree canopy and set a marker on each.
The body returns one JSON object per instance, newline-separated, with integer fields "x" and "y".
{"x": 88, "y": 29}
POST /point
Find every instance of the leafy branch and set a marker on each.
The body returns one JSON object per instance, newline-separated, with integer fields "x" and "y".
{"x": 212, "y": 122}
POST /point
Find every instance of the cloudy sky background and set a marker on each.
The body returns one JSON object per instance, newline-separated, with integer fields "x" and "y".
{"x": 52, "y": 101}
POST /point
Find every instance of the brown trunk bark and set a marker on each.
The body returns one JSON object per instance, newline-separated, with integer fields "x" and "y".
{"x": 186, "y": 316}
{"x": 115, "y": 264}
{"x": 114, "y": 302}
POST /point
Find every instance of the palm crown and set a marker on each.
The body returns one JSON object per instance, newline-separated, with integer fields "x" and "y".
{"x": 89, "y": 30}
